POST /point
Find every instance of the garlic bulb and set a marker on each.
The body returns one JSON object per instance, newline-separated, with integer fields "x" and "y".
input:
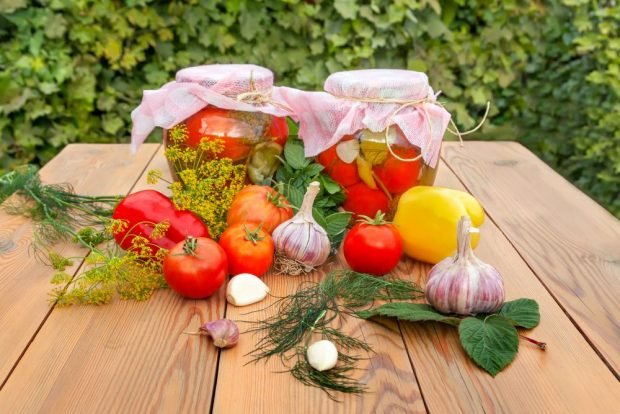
{"x": 245, "y": 289}
{"x": 301, "y": 238}
{"x": 464, "y": 284}
{"x": 322, "y": 355}
{"x": 224, "y": 332}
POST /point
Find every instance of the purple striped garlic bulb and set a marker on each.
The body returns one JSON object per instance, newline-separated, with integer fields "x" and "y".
{"x": 301, "y": 239}
{"x": 464, "y": 284}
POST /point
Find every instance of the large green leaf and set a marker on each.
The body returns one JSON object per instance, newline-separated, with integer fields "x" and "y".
{"x": 412, "y": 312}
{"x": 492, "y": 343}
{"x": 521, "y": 312}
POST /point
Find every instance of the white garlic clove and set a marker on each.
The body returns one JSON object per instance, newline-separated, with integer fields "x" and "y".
{"x": 322, "y": 355}
{"x": 245, "y": 289}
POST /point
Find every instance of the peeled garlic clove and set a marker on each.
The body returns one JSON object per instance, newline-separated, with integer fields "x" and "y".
{"x": 464, "y": 284}
{"x": 322, "y": 355}
{"x": 224, "y": 332}
{"x": 245, "y": 289}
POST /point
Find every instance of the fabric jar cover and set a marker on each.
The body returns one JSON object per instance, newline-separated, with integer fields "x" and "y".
{"x": 235, "y": 87}
{"x": 372, "y": 99}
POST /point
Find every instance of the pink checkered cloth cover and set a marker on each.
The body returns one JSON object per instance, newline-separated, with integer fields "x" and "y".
{"x": 197, "y": 87}
{"x": 325, "y": 117}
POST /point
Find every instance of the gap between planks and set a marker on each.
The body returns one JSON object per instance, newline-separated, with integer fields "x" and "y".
{"x": 75, "y": 273}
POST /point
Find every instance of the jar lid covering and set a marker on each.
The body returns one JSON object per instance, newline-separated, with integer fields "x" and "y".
{"x": 374, "y": 100}
{"x": 235, "y": 87}
{"x": 378, "y": 83}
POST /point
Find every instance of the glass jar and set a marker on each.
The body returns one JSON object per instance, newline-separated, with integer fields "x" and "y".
{"x": 221, "y": 111}
{"x": 251, "y": 138}
{"x": 377, "y": 133}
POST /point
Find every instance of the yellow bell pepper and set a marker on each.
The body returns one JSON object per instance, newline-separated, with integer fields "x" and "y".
{"x": 427, "y": 216}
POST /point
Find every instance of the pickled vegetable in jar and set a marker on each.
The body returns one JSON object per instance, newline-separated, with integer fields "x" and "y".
{"x": 377, "y": 133}
{"x": 232, "y": 105}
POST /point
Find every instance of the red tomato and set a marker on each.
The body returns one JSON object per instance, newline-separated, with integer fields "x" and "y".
{"x": 278, "y": 130}
{"x": 341, "y": 172}
{"x": 364, "y": 201}
{"x": 396, "y": 175}
{"x": 196, "y": 267}
{"x": 249, "y": 249}
{"x": 259, "y": 204}
{"x": 373, "y": 247}
{"x": 215, "y": 123}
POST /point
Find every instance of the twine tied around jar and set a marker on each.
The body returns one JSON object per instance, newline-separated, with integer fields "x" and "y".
{"x": 256, "y": 97}
{"x": 406, "y": 103}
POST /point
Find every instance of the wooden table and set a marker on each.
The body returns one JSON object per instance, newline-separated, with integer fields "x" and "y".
{"x": 550, "y": 242}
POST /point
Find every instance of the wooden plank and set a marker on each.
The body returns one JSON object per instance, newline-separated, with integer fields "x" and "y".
{"x": 570, "y": 242}
{"x": 259, "y": 388}
{"x": 122, "y": 357}
{"x": 568, "y": 377}
{"x": 24, "y": 282}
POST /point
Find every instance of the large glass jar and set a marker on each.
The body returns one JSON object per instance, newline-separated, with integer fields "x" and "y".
{"x": 377, "y": 133}
{"x": 251, "y": 138}
{"x": 231, "y": 105}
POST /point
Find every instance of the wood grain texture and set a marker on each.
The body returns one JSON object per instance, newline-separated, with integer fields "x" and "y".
{"x": 567, "y": 378}
{"x": 24, "y": 282}
{"x": 569, "y": 241}
{"x": 258, "y": 388}
{"x": 124, "y": 357}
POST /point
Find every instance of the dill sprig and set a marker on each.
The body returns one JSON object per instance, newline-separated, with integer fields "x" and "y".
{"x": 109, "y": 271}
{"x": 57, "y": 211}
{"x": 320, "y": 308}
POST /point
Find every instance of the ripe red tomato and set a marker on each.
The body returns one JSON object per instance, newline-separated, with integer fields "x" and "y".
{"x": 249, "y": 249}
{"x": 259, "y": 204}
{"x": 196, "y": 267}
{"x": 364, "y": 201}
{"x": 216, "y": 123}
{"x": 278, "y": 130}
{"x": 341, "y": 172}
{"x": 399, "y": 176}
{"x": 373, "y": 247}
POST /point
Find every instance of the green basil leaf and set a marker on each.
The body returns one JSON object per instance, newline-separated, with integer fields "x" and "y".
{"x": 521, "y": 312}
{"x": 412, "y": 312}
{"x": 329, "y": 185}
{"x": 294, "y": 154}
{"x": 336, "y": 223}
{"x": 313, "y": 170}
{"x": 491, "y": 343}
{"x": 320, "y": 218}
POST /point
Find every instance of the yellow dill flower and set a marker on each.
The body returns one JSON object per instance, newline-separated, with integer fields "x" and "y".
{"x": 153, "y": 176}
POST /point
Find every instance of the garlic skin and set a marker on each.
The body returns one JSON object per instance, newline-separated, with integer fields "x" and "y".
{"x": 224, "y": 332}
{"x": 245, "y": 289}
{"x": 322, "y": 355}
{"x": 464, "y": 284}
{"x": 301, "y": 238}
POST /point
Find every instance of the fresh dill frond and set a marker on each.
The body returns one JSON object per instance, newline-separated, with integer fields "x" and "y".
{"x": 320, "y": 309}
{"x": 57, "y": 211}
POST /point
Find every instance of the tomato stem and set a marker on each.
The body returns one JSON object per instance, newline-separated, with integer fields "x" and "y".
{"x": 190, "y": 245}
{"x": 253, "y": 236}
{"x": 378, "y": 220}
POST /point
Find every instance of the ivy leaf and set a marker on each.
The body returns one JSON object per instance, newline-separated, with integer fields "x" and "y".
{"x": 336, "y": 223}
{"x": 294, "y": 155}
{"x": 521, "y": 312}
{"x": 346, "y": 8}
{"x": 412, "y": 312}
{"x": 492, "y": 343}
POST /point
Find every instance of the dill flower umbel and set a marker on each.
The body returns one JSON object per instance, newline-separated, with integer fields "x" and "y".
{"x": 206, "y": 183}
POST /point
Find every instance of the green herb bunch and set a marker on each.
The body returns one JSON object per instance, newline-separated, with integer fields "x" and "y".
{"x": 109, "y": 271}
{"x": 318, "y": 310}
{"x": 292, "y": 180}
{"x": 490, "y": 340}
{"x": 58, "y": 212}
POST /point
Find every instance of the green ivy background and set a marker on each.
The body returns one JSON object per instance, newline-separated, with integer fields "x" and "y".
{"x": 72, "y": 70}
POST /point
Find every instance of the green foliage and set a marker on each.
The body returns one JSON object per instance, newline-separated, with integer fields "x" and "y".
{"x": 72, "y": 71}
